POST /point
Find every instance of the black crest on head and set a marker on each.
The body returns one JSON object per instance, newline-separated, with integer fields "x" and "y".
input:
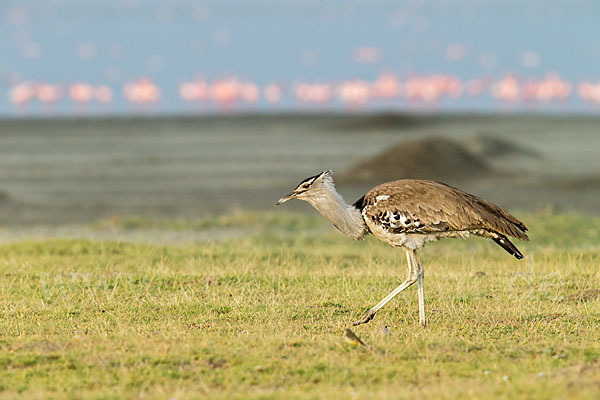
{"x": 310, "y": 179}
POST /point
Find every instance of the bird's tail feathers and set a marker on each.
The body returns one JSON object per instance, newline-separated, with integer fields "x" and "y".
{"x": 506, "y": 244}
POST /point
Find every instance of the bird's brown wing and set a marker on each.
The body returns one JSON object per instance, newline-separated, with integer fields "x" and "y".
{"x": 420, "y": 206}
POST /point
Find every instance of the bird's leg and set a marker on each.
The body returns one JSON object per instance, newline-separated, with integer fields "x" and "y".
{"x": 421, "y": 284}
{"x": 412, "y": 278}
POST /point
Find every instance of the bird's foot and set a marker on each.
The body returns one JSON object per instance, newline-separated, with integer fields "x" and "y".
{"x": 365, "y": 318}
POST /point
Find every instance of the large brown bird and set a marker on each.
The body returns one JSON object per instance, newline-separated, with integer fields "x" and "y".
{"x": 409, "y": 213}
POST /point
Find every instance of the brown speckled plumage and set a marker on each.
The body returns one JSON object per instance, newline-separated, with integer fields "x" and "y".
{"x": 438, "y": 207}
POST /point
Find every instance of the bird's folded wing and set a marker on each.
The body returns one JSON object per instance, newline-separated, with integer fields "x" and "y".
{"x": 416, "y": 206}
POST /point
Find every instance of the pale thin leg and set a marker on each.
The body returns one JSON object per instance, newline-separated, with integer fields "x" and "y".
{"x": 412, "y": 278}
{"x": 421, "y": 284}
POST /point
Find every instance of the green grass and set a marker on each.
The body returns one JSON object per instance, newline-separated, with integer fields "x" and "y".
{"x": 264, "y": 316}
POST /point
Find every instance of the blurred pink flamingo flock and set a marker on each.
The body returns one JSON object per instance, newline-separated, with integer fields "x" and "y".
{"x": 231, "y": 92}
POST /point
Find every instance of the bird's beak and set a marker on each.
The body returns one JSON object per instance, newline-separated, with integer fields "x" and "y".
{"x": 286, "y": 198}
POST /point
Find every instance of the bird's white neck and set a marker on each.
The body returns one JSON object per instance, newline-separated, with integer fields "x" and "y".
{"x": 346, "y": 218}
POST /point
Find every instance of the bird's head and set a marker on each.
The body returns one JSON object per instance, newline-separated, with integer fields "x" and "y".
{"x": 310, "y": 188}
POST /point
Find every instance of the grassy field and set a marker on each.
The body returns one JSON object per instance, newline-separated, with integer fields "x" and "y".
{"x": 263, "y": 316}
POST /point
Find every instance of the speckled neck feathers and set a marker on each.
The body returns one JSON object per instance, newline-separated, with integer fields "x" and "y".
{"x": 346, "y": 218}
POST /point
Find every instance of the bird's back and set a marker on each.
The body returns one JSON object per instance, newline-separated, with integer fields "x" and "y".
{"x": 426, "y": 207}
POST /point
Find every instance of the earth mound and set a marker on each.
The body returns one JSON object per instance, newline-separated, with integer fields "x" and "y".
{"x": 434, "y": 158}
{"x": 488, "y": 146}
{"x": 379, "y": 121}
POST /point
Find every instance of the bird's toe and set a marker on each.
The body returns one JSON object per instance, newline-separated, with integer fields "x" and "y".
{"x": 365, "y": 318}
